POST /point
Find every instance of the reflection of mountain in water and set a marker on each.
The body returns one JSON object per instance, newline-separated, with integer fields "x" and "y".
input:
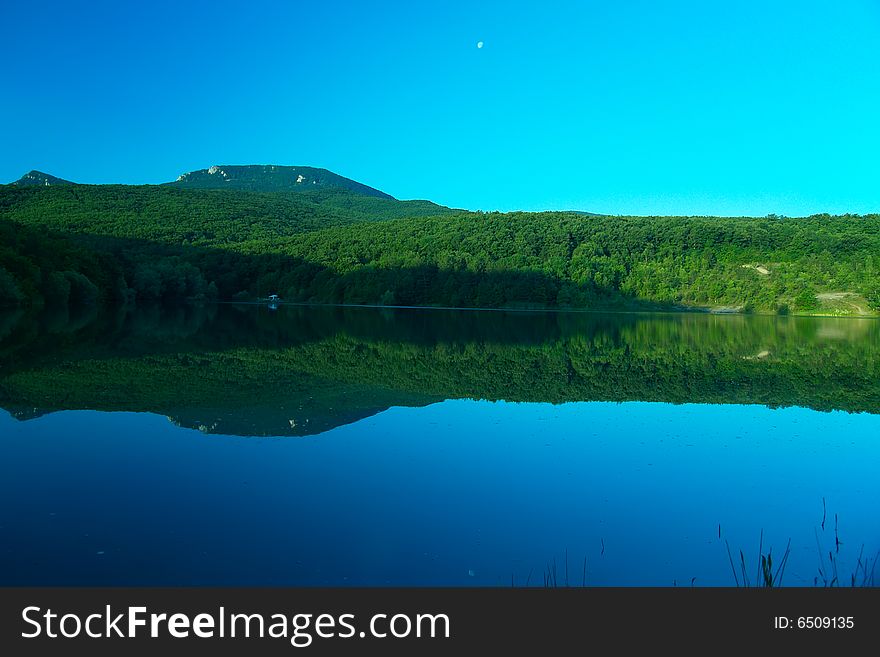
{"x": 307, "y": 414}
{"x": 303, "y": 370}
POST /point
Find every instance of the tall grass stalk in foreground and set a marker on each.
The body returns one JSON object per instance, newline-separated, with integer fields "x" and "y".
{"x": 767, "y": 572}
{"x": 765, "y": 576}
{"x": 828, "y": 572}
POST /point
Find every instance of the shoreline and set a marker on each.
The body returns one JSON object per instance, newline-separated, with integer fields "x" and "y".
{"x": 693, "y": 310}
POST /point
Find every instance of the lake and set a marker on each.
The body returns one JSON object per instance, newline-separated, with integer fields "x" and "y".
{"x": 237, "y": 445}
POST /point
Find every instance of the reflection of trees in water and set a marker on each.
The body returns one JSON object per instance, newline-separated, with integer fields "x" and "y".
{"x": 262, "y": 371}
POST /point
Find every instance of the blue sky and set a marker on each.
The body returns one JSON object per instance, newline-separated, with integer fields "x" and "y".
{"x": 679, "y": 107}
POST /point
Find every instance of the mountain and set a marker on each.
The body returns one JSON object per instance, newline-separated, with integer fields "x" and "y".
{"x": 311, "y": 239}
{"x": 84, "y": 243}
{"x": 271, "y": 178}
{"x": 38, "y": 178}
{"x": 251, "y": 177}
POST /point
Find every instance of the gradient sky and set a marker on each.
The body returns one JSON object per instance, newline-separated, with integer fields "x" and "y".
{"x": 679, "y": 107}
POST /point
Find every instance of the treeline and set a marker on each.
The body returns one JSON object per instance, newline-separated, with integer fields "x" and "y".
{"x": 118, "y": 243}
{"x": 566, "y": 260}
{"x": 38, "y": 267}
{"x": 333, "y": 246}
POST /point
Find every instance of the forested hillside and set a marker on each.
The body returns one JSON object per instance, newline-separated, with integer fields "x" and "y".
{"x": 38, "y": 267}
{"x": 567, "y": 260}
{"x": 159, "y": 243}
{"x": 117, "y": 243}
{"x": 201, "y": 217}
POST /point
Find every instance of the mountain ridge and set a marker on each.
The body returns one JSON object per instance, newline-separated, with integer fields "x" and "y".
{"x": 271, "y": 177}
{"x": 34, "y": 178}
{"x": 244, "y": 177}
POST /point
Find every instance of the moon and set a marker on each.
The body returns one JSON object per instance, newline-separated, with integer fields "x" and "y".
{"x": 479, "y": 44}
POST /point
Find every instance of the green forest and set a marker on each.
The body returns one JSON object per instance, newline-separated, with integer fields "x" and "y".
{"x": 116, "y": 244}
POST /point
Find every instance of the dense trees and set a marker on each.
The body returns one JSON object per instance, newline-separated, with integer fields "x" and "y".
{"x": 331, "y": 246}
{"x": 159, "y": 243}
{"x": 567, "y": 260}
{"x": 202, "y": 217}
{"x": 38, "y": 267}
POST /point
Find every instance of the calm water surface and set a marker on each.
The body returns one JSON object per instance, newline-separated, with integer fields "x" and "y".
{"x": 329, "y": 446}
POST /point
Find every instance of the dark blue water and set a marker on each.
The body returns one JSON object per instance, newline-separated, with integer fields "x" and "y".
{"x": 457, "y": 493}
{"x": 449, "y": 492}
